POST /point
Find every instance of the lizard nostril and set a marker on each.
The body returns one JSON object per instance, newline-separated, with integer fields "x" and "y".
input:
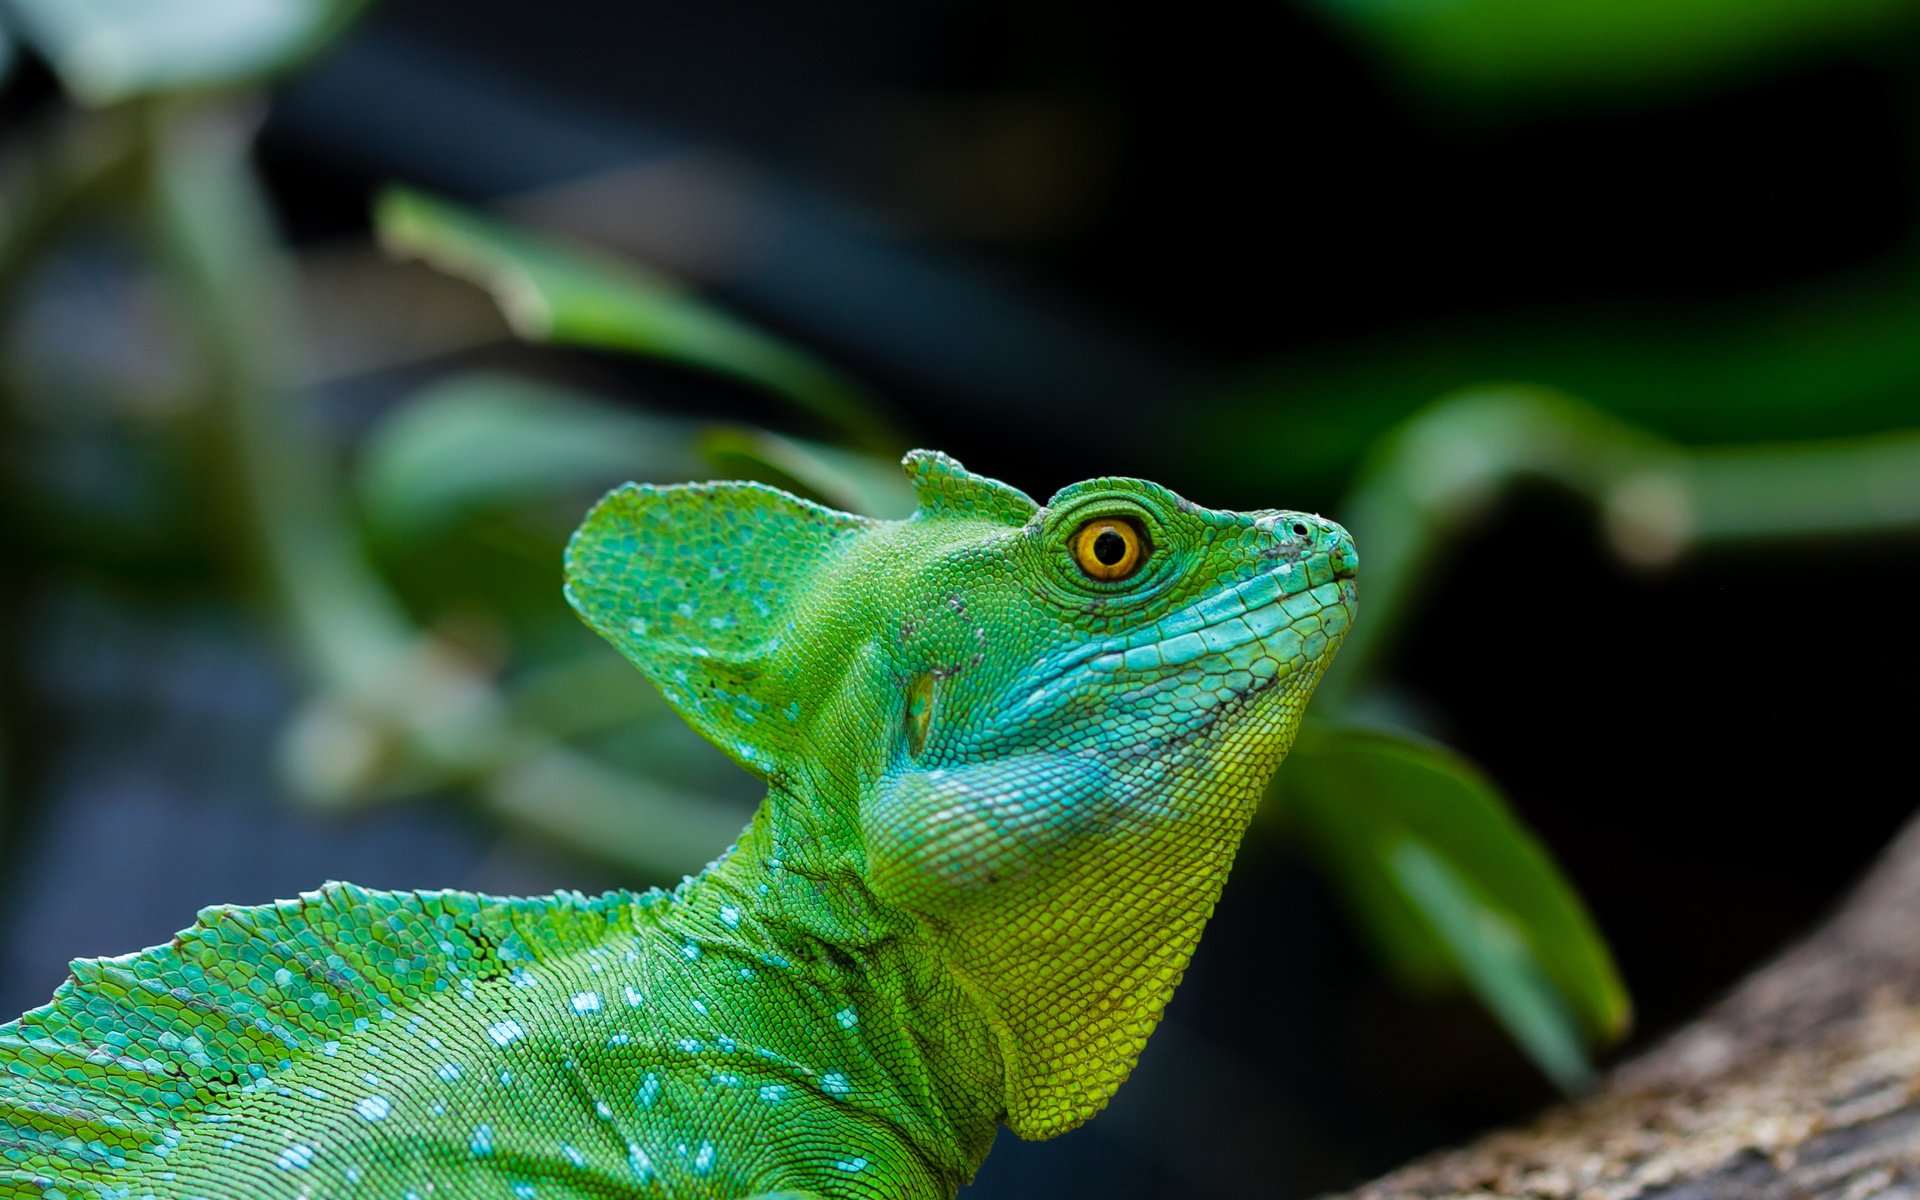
{"x": 1300, "y": 529}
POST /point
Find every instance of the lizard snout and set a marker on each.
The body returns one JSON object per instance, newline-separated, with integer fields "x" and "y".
{"x": 1340, "y": 551}
{"x": 1309, "y": 537}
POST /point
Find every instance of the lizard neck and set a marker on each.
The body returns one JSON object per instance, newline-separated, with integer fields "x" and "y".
{"x": 791, "y": 893}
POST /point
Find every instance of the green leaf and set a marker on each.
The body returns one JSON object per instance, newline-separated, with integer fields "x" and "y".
{"x": 1451, "y": 888}
{"x": 551, "y": 292}
{"x": 485, "y": 442}
{"x": 107, "y": 51}
{"x": 1495, "y": 958}
{"x": 1488, "y": 47}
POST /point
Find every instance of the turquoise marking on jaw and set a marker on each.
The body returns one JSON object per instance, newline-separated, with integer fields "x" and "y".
{"x": 1253, "y": 633}
{"x": 1227, "y": 622}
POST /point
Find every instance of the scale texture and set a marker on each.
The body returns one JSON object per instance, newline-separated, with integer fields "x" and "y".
{"x": 1010, "y": 753}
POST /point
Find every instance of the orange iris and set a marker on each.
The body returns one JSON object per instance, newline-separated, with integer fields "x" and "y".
{"x": 1109, "y": 549}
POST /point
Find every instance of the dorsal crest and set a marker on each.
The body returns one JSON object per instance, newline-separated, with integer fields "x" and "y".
{"x": 945, "y": 488}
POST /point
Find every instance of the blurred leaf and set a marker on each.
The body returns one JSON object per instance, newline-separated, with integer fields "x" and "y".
{"x": 1837, "y": 359}
{"x": 1434, "y": 475}
{"x": 554, "y": 293}
{"x": 1495, "y": 958}
{"x": 106, "y": 51}
{"x": 9, "y": 53}
{"x": 1491, "y": 46}
{"x": 641, "y": 822}
{"x": 1432, "y": 478}
{"x": 845, "y": 479}
{"x": 1361, "y": 797}
{"x": 586, "y": 694}
{"x": 481, "y": 442}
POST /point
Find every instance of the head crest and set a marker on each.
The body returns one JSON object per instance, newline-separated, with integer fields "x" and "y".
{"x": 945, "y": 488}
{"x": 698, "y": 585}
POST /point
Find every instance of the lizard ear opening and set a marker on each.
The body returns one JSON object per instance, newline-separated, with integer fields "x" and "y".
{"x": 696, "y": 585}
{"x": 944, "y": 488}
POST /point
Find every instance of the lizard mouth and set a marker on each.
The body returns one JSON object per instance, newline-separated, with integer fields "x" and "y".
{"x": 1193, "y": 663}
{"x": 1195, "y": 684}
{"x": 1257, "y": 626}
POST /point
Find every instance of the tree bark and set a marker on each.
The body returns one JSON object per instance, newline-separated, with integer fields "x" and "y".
{"x": 1803, "y": 1083}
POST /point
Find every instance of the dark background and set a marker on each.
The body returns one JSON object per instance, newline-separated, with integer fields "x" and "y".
{"x": 1059, "y": 243}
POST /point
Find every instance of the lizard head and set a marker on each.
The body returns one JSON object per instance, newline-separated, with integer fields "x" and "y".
{"x": 1039, "y": 731}
{"x": 1091, "y": 703}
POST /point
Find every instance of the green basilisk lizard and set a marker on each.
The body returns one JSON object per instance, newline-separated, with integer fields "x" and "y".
{"x": 1009, "y": 751}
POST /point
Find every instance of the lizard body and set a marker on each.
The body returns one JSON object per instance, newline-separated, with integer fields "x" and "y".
{"x": 1010, "y": 752}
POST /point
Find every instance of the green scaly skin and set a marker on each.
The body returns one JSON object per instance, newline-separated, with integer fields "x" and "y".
{"x": 1002, "y": 799}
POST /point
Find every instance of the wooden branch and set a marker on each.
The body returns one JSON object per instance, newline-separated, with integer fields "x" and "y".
{"x": 1804, "y": 1084}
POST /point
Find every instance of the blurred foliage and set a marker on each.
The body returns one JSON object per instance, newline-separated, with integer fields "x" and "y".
{"x": 1480, "y": 50}
{"x": 108, "y": 51}
{"x": 1448, "y": 885}
{"x": 556, "y": 294}
{"x": 1828, "y": 362}
{"x": 1438, "y": 474}
{"x": 474, "y": 445}
{"x": 417, "y": 581}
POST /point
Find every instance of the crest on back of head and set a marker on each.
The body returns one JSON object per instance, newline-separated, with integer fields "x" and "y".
{"x": 698, "y": 585}
{"x": 945, "y": 488}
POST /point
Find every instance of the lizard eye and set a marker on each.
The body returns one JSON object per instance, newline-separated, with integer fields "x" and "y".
{"x": 1109, "y": 549}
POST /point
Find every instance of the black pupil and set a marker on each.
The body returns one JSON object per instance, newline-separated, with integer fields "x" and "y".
{"x": 1109, "y": 547}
